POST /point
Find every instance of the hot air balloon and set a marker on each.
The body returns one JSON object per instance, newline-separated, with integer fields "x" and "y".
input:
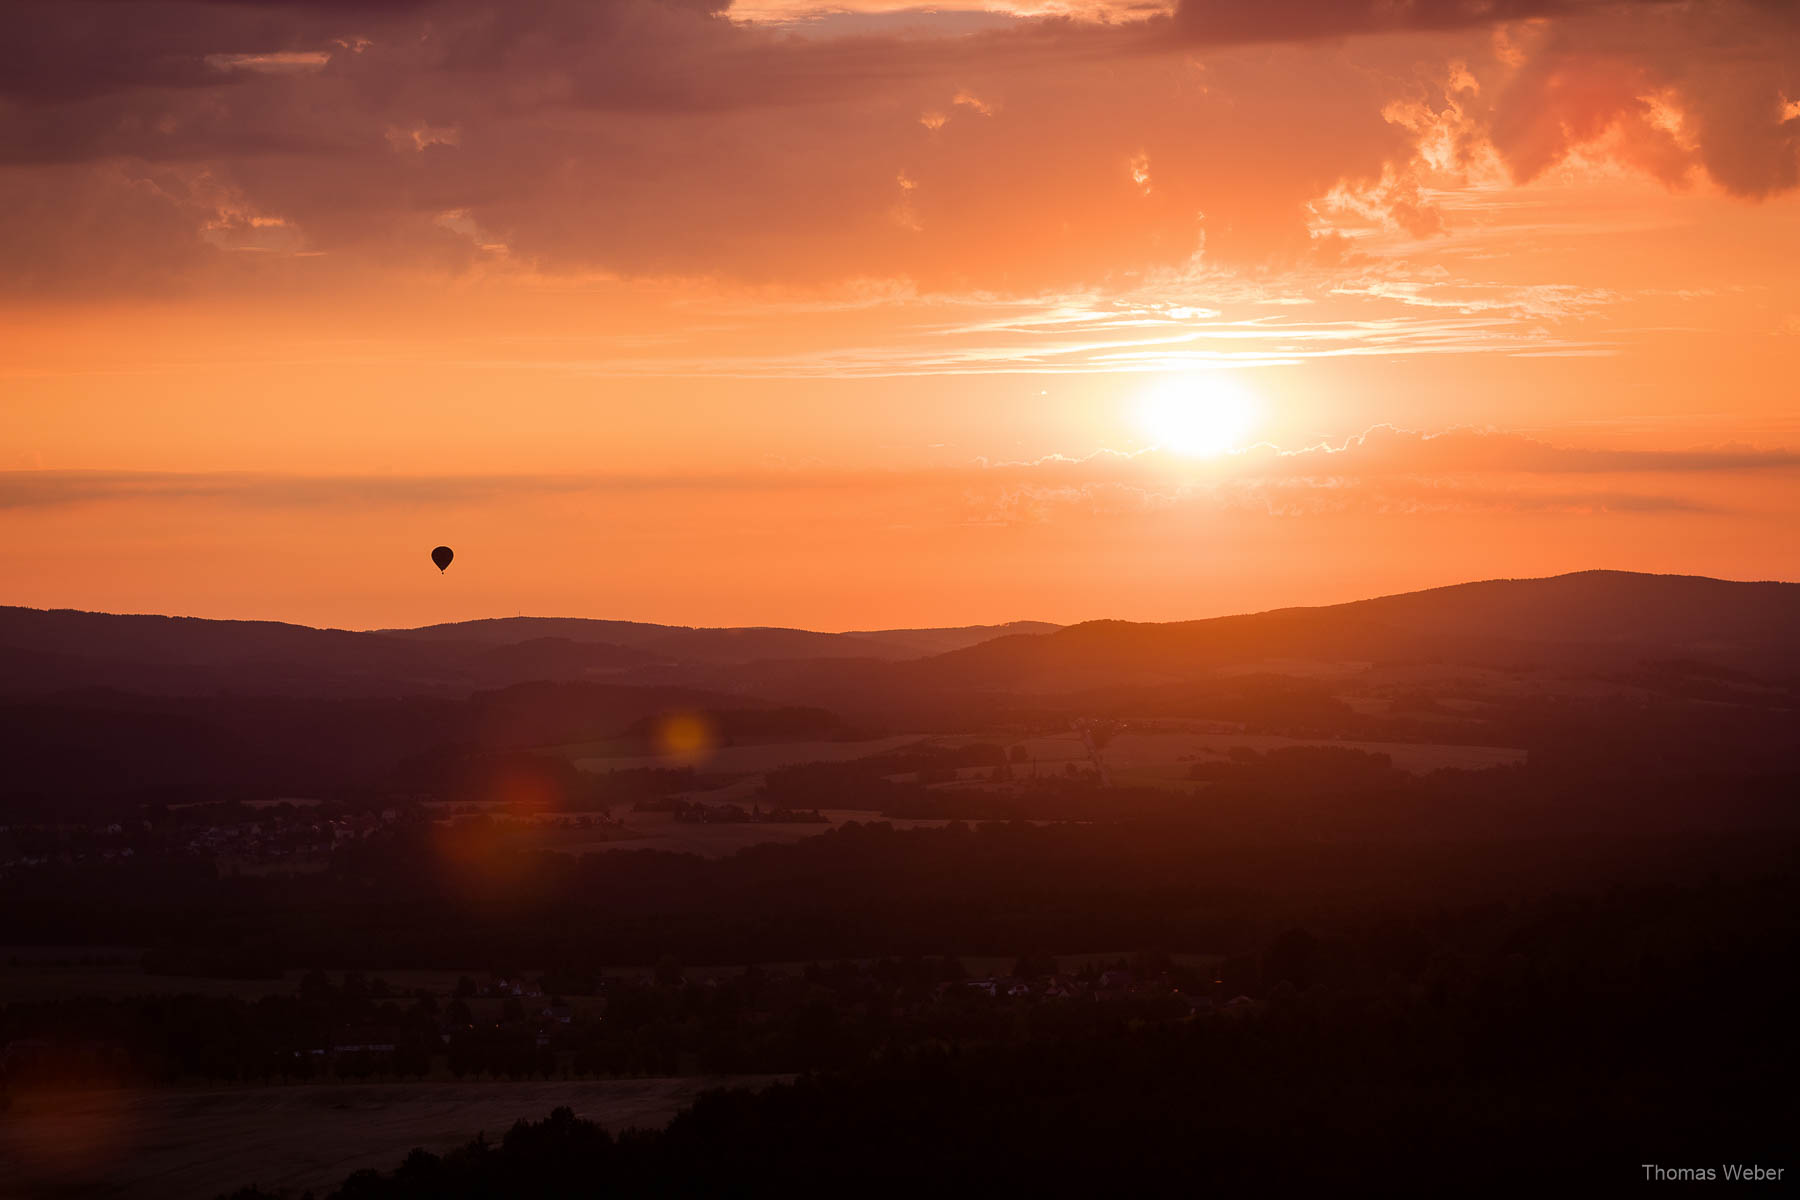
{"x": 442, "y": 556}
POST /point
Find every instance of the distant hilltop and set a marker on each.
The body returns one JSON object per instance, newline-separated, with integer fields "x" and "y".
{"x": 1590, "y": 617}
{"x": 722, "y": 645}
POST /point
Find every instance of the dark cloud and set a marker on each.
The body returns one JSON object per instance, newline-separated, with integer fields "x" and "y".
{"x": 1698, "y": 87}
{"x": 1218, "y": 21}
{"x": 140, "y": 139}
{"x": 57, "y": 51}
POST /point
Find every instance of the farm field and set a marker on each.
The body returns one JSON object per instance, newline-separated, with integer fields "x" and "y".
{"x": 204, "y": 1142}
{"x": 1154, "y": 753}
{"x": 762, "y": 756}
{"x": 1158, "y": 752}
{"x": 661, "y": 831}
{"x": 1154, "y": 746}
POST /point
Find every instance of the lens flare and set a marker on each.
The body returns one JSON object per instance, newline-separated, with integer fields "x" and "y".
{"x": 687, "y": 738}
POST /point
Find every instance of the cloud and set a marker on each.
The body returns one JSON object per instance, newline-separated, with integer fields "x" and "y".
{"x": 1386, "y": 450}
{"x": 661, "y": 138}
{"x": 1676, "y": 92}
{"x": 1224, "y": 21}
{"x": 1423, "y": 497}
{"x": 24, "y": 490}
{"x": 1383, "y": 470}
{"x": 57, "y": 489}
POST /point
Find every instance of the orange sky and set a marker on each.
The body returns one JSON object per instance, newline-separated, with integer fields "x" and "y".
{"x": 857, "y": 316}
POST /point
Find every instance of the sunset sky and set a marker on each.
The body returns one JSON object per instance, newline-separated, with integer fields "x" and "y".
{"x": 862, "y": 315}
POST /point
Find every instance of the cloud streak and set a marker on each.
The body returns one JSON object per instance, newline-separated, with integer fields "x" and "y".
{"x": 1384, "y": 470}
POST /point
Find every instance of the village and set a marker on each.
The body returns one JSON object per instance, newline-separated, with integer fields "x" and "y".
{"x": 265, "y": 836}
{"x": 659, "y": 1021}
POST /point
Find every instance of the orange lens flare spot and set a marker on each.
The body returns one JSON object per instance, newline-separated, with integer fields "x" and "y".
{"x": 686, "y": 738}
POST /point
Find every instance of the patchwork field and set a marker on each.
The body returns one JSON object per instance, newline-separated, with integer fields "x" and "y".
{"x": 1157, "y": 751}
{"x": 43, "y": 979}
{"x": 661, "y": 831}
{"x": 1158, "y": 743}
{"x": 202, "y": 1142}
{"x": 1150, "y": 751}
{"x": 764, "y": 756}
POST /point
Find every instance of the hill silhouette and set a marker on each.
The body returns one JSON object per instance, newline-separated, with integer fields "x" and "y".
{"x": 720, "y": 645}
{"x": 49, "y": 651}
{"x": 1591, "y": 619}
{"x": 1582, "y": 666}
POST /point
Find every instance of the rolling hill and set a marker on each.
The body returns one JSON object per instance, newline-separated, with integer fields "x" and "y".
{"x": 682, "y": 643}
{"x": 99, "y": 705}
{"x": 1590, "y": 620}
{"x": 48, "y": 651}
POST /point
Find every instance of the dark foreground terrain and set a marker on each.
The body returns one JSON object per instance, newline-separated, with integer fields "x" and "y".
{"x": 170, "y": 1143}
{"x": 1470, "y": 892}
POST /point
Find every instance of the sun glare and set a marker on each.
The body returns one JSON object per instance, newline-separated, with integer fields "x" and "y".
{"x": 1199, "y": 415}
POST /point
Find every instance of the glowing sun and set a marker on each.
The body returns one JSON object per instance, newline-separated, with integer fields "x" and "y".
{"x": 1199, "y": 415}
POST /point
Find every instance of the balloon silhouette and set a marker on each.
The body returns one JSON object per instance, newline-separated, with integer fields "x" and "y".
{"x": 442, "y": 556}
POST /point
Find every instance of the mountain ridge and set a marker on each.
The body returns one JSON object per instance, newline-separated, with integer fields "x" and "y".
{"x": 1596, "y": 617}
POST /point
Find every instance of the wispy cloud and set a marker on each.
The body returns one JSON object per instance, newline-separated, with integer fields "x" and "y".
{"x": 1385, "y": 449}
{"x": 1177, "y": 323}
